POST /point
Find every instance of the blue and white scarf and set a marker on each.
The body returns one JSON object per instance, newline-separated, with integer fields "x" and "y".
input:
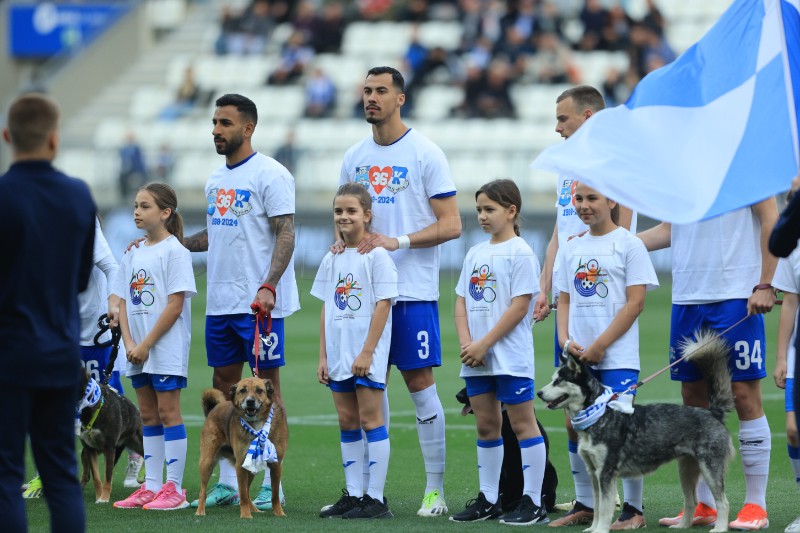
{"x": 91, "y": 396}
{"x": 261, "y": 450}
{"x": 585, "y": 418}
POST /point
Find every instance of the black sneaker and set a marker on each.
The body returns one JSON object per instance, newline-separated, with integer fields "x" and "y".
{"x": 478, "y": 509}
{"x": 345, "y": 503}
{"x": 526, "y": 514}
{"x": 369, "y": 507}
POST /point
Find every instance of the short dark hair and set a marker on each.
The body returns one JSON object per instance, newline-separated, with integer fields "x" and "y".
{"x": 243, "y": 105}
{"x": 31, "y": 118}
{"x": 584, "y": 96}
{"x": 397, "y": 78}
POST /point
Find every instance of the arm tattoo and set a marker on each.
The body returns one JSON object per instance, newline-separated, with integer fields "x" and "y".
{"x": 197, "y": 242}
{"x": 283, "y": 229}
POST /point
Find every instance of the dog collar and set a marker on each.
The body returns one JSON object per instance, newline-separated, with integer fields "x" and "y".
{"x": 92, "y": 420}
{"x": 586, "y": 418}
{"x": 261, "y": 451}
{"x": 91, "y": 395}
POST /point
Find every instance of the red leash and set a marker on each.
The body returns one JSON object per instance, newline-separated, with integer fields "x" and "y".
{"x": 261, "y": 314}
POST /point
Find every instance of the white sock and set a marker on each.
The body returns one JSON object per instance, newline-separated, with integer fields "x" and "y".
{"x": 175, "y": 444}
{"x": 227, "y": 474}
{"x": 704, "y": 493}
{"x": 430, "y": 428}
{"x": 379, "y": 449}
{"x": 385, "y": 409}
{"x": 352, "y": 446}
{"x": 580, "y": 475}
{"x": 490, "y": 463}
{"x": 534, "y": 457}
{"x": 153, "y": 444}
{"x": 794, "y": 459}
{"x": 633, "y": 491}
{"x": 755, "y": 442}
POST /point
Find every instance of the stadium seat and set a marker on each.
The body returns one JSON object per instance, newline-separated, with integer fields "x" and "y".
{"x": 436, "y": 101}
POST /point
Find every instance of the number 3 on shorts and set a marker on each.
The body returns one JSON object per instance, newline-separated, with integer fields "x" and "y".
{"x": 744, "y": 357}
{"x": 424, "y": 348}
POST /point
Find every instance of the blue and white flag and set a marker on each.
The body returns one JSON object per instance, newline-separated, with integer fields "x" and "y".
{"x": 714, "y": 131}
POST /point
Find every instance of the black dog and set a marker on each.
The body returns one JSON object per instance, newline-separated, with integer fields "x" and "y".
{"x": 511, "y": 482}
{"x": 109, "y": 424}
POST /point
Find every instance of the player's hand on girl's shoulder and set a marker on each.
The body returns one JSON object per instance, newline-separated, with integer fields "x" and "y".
{"x": 135, "y": 244}
{"x": 337, "y": 247}
{"x": 581, "y": 234}
{"x": 376, "y": 240}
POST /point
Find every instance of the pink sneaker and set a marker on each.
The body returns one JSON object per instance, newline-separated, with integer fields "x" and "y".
{"x": 168, "y": 499}
{"x": 141, "y": 497}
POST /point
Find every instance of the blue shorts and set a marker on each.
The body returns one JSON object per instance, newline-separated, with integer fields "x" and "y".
{"x": 160, "y": 382}
{"x": 510, "y": 390}
{"x": 788, "y": 395}
{"x": 416, "y": 341}
{"x": 350, "y": 384}
{"x": 95, "y": 360}
{"x": 618, "y": 379}
{"x": 229, "y": 340}
{"x": 747, "y": 340}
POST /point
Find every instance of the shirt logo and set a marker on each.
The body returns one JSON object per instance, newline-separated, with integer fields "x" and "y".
{"x": 479, "y": 284}
{"x": 221, "y": 200}
{"x": 346, "y": 293}
{"x": 141, "y": 288}
{"x": 393, "y": 178}
{"x": 399, "y": 181}
{"x": 566, "y": 195}
{"x": 590, "y": 279}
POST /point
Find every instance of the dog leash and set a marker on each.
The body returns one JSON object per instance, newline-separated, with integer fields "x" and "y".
{"x": 104, "y": 324}
{"x": 261, "y": 315}
{"x": 656, "y": 374}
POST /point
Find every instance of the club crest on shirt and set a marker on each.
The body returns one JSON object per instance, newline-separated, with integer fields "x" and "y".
{"x": 362, "y": 176}
{"x": 221, "y": 200}
{"x": 241, "y": 202}
{"x": 590, "y": 279}
{"x": 399, "y": 180}
{"x": 566, "y": 194}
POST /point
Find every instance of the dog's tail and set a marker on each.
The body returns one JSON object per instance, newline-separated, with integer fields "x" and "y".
{"x": 210, "y": 398}
{"x": 710, "y": 353}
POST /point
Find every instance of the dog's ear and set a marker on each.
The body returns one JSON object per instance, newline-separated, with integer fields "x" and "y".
{"x": 269, "y": 388}
{"x": 573, "y": 363}
{"x": 233, "y": 393}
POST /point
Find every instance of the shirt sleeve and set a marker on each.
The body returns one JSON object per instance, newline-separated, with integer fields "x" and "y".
{"x": 638, "y": 267}
{"x": 322, "y": 278}
{"x": 384, "y": 277}
{"x": 784, "y": 279}
{"x": 523, "y": 275}
{"x": 436, "y": 175}
{"x": 279, "y": 196}
{"x": 461, "y": 285}
{"x": 120, "y": 284}
{"x": 180, "y": 274}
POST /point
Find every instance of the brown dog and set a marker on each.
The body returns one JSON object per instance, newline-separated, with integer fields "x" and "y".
{"x": 223, "y": 436}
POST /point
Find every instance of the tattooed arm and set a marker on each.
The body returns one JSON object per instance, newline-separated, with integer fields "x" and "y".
{"x": 283, "y": 229}
{"x": 197, "y": 242}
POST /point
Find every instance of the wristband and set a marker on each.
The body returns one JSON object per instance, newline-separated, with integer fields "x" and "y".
{"x": 403, "y": 242}
{"x": 761, "y": 287}
{"x": 566, "y": 346}
{"x": 270, "y": 288}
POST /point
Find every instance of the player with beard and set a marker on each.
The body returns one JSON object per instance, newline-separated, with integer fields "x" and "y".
{"x": 415, "y": 210}
{"x": 250, "y": 244}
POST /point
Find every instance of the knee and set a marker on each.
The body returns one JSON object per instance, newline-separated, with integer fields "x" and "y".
{"x": 419, "y": 379}
{"x": 349, "y": 421}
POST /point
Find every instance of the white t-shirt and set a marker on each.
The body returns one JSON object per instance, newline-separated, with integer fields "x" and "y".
{"x": 240, "y": 241}
{"x": 350, "y": 284}
{"x": 568, "y": 222}
{"x": 402, "y": 178}
{"x": 147, "y": 276}
{"x": 492, "y": 275}
{"x": 597, "y": 271}
{"x": 716, "y": 259}
{"x": 787, "y": 279}
{"x": 93, "y": 301}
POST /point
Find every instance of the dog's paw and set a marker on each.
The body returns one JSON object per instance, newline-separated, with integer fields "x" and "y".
{"x": 277, "y": 511}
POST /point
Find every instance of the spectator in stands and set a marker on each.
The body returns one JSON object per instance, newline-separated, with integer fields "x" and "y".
{"x": 617, "y": 87}
{"x": 373, "y": 9}
{"x": 516, "y": 49}
{"x": 132, "y": 169}
{"x": 550, "y": 19}
{"x": 413, "y": 11}
{"x": 304, "y": 17}
{"x": 487, "y": 95}
{"x": 287, "y": 153}
{"x": 253, "y": 31}
{"x": 654, "y": 19}
{"x": 616, "y": 30}
{"x": 295, "y": 56}
{"x": 165, "y": 162}
{"x": 648, "y": 49}
{"x": 328, "y": 29}
{"x": 522, "y": 17}
{"x": 320, "y": 95}
{"x": 228, "y": 26}
{"x": 553, "y": 61}
{"x": 186, "y": 97}
{"x": 593, "y": 16}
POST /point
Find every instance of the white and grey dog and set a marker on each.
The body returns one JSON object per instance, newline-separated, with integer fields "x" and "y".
{"x": 636, "y": 443}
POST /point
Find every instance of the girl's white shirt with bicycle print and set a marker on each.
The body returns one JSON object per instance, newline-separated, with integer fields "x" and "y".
{"x": 492, "y": 275}
{"x": 597, "y": 272}
{"x": 350, "y": 284}
{"x": 147, "y": 276}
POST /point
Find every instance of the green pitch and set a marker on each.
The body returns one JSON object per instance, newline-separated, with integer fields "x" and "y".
{"x": 313, "y": 474}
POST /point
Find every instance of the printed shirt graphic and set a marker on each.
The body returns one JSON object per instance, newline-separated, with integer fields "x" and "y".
{"x": 716, "y": 259}
{"x": 568, "y": 221}
{"x": 147, "y": 276}
{"x": 94, "y": 300}
{"x": 787, "y": 279}
{"x": 492, "y": 275}
{"x": 350, "y": 285}
{"x": 240, "y": 241}
{"x": 596, "y": 272}
{"x": 402, "y": 178}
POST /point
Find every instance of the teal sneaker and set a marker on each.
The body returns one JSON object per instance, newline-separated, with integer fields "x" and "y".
{"x": 263, "y": 501}
{"x": 220, "y": 495}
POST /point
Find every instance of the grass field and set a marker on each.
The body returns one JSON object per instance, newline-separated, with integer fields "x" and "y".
{"x": 312, "y": 473}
